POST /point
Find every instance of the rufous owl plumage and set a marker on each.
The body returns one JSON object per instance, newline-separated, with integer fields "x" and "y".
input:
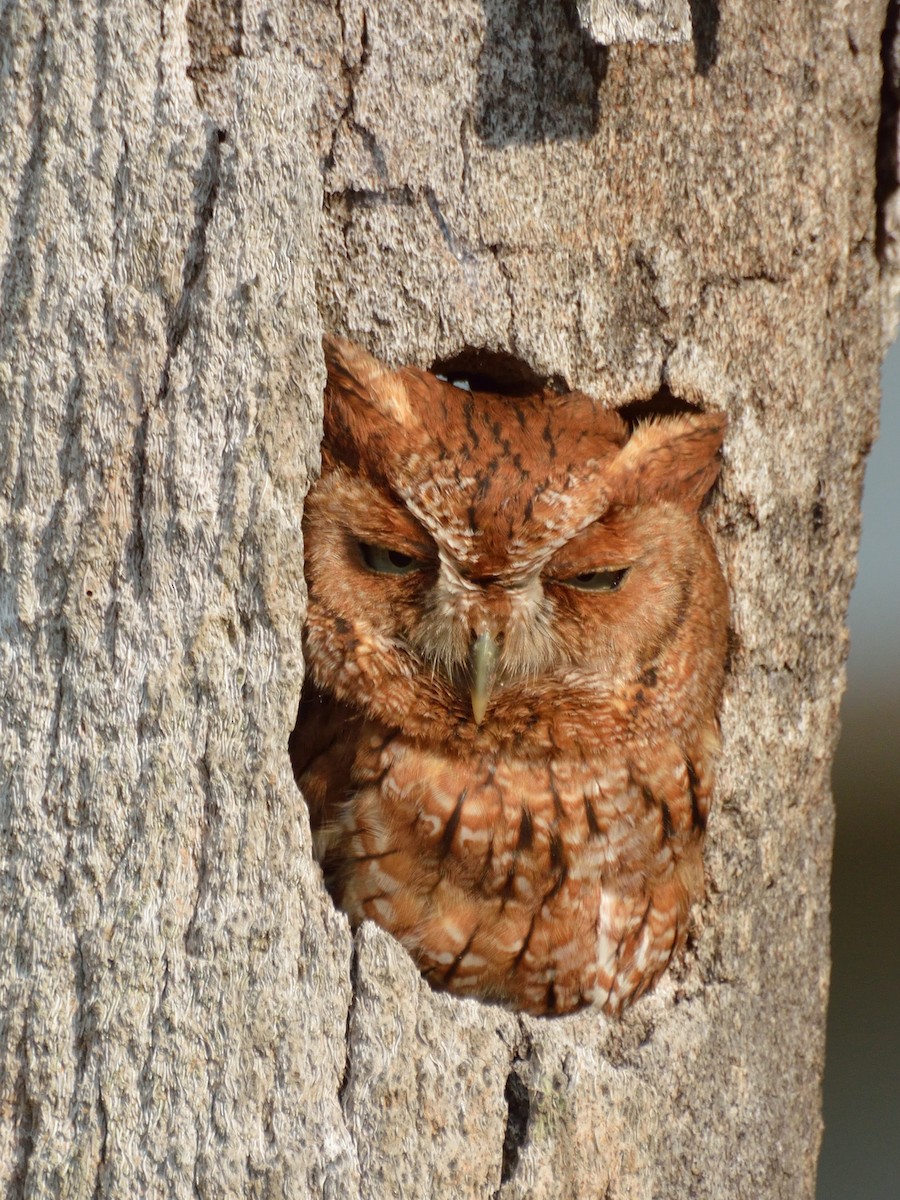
{"x": 514, "y": 649}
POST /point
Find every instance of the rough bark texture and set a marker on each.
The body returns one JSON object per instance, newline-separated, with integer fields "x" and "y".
{"x": 183, "y": 1013}
{"x": 609, "y": 21}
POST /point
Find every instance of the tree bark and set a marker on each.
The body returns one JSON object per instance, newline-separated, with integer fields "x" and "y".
{"x": 189, "y": 193}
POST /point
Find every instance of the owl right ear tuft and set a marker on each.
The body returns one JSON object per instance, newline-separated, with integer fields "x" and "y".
{"x": 672, "y": 458}
{"x": 357, "y": 380}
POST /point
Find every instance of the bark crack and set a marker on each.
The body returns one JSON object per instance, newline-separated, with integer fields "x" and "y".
{"x": 348, "y": 1038}
{"x": 344, "y": 1095}
{"x": 519, "y": 1104}
{"x": 497, "y": 252}
{"x": 104, "y": 1142}
{"x": 353, "y": 71}
{"x": 206, "y": 193}
{"x": 210, "y": 812}
{"x": 22, "y": 1119}
{"x": 18, "y": 274}
{"x": 145, "y": 1079}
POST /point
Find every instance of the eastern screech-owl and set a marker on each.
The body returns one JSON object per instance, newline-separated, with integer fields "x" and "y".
{"x": 515, "y": 648}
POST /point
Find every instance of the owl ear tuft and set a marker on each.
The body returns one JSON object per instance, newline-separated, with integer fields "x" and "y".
{"x": 360, "y": 382}
{"x": 672, "y": 458}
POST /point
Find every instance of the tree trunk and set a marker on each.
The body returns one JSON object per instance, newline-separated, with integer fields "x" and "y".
{"x": 189, "y": 192}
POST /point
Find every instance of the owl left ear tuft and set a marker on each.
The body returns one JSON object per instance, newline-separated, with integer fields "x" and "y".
{"x": 363, "y": 382}
{"x": 672, "y": 458}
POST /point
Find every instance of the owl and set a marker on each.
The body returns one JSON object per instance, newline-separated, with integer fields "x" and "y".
{"x": 515, "y": 649}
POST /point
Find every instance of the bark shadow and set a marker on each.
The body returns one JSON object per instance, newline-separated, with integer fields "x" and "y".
{"x": 705, "y": 25}
{"x": 539, "y": 74}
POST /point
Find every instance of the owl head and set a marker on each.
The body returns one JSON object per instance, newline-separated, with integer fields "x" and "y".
{"x": 472, "y": 557}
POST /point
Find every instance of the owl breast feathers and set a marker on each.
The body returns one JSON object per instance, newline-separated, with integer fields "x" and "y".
{"x": 514, "y": 648}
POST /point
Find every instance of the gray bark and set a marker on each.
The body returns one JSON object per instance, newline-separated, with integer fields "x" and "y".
{"x": 610, "y": 21}
{"x": 187, "y": 192}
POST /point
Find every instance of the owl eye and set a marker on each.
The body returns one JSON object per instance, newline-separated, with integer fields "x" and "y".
{"x": 597, "y": 581}
{"x": 389, "y": 562}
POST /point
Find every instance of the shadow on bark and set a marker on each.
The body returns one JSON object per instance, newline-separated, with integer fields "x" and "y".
{"x": 539, "y": 75}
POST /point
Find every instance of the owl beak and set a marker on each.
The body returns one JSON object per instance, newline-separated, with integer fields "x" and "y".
{"x": 484, "y": 659}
